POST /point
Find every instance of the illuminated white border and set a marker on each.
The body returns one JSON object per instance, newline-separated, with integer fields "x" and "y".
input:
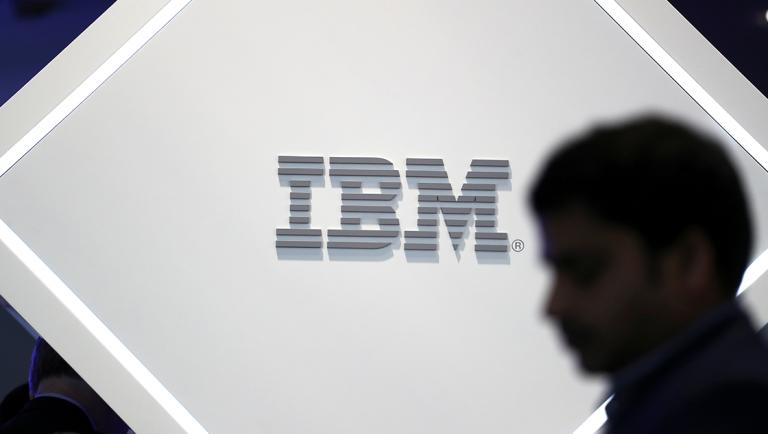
{"x": 716, "y": 111}
{"x": 595, "y": 421}
{"x": 132, "y": 365}
{"x": 87, "y": 87}
{"x": 691, "y": 86}
{"x": 99, "y": 330}
{"x": 758, "y": 267}
{"x": 44, "y": 274}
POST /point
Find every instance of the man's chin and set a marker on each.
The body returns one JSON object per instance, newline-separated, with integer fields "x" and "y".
{"x": 590, "y": 368}
{"x": 591, "y": 363}
{"x": 598, "y": 365}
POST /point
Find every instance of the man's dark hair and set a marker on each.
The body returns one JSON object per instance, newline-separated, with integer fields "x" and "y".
{"x": 657, "y": 178}
{"x": 47, "y": 363}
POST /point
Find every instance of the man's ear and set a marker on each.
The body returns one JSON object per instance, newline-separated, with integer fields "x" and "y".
{"x": 691, "y": 267}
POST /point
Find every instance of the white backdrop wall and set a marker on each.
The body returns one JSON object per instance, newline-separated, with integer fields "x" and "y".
{"x": 157, "y": 201}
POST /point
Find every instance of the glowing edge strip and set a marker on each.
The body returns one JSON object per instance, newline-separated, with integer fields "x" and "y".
{"x": 685, "y": 81}
{"x": 41, "y": 271}
{"x": 133, "y": 365}
{"x": 99, "y": 330}
{"x": 758, "y": 267}
{"x": 87, "y": 87}
{"x": 597, "y": 419}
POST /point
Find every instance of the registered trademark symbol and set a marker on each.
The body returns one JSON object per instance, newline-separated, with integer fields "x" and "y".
{"x": 518, "y": 245}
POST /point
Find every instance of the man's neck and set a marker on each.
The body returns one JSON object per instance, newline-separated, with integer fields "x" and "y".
{"x": 675, "y": 344}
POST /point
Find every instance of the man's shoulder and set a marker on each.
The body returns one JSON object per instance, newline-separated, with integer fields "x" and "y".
{"x": 733, "y": 407}
{"x": 730, "y": 360}
{"x": 718, "y": 380}
{"x": 736, "y": 354}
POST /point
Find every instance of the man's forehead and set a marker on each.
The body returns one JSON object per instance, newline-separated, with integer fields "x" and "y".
{"x": 574, "y": 231}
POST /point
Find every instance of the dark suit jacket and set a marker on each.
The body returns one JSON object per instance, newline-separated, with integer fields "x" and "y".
{"x": 48, "y": 415}
{"x": 713, "y": 379}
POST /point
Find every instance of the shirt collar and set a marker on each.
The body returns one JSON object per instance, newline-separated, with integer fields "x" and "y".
{"x": 675, "y": 346}
{"x": 635, "y": 373}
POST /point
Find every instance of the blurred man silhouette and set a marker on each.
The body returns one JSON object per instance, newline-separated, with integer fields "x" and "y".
{"x": 646, "y": 227}
{"x": 62, "y": 402}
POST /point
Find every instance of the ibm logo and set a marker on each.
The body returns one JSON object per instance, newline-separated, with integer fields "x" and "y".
{"x": 370, "y": 188}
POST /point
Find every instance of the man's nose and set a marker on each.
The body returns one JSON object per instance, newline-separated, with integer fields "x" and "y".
{"x": 556, "y": 304}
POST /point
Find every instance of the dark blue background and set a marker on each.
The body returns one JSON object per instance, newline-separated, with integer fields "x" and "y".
{"x": 738, "y": 29}
{"x": 33, "y": 32}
